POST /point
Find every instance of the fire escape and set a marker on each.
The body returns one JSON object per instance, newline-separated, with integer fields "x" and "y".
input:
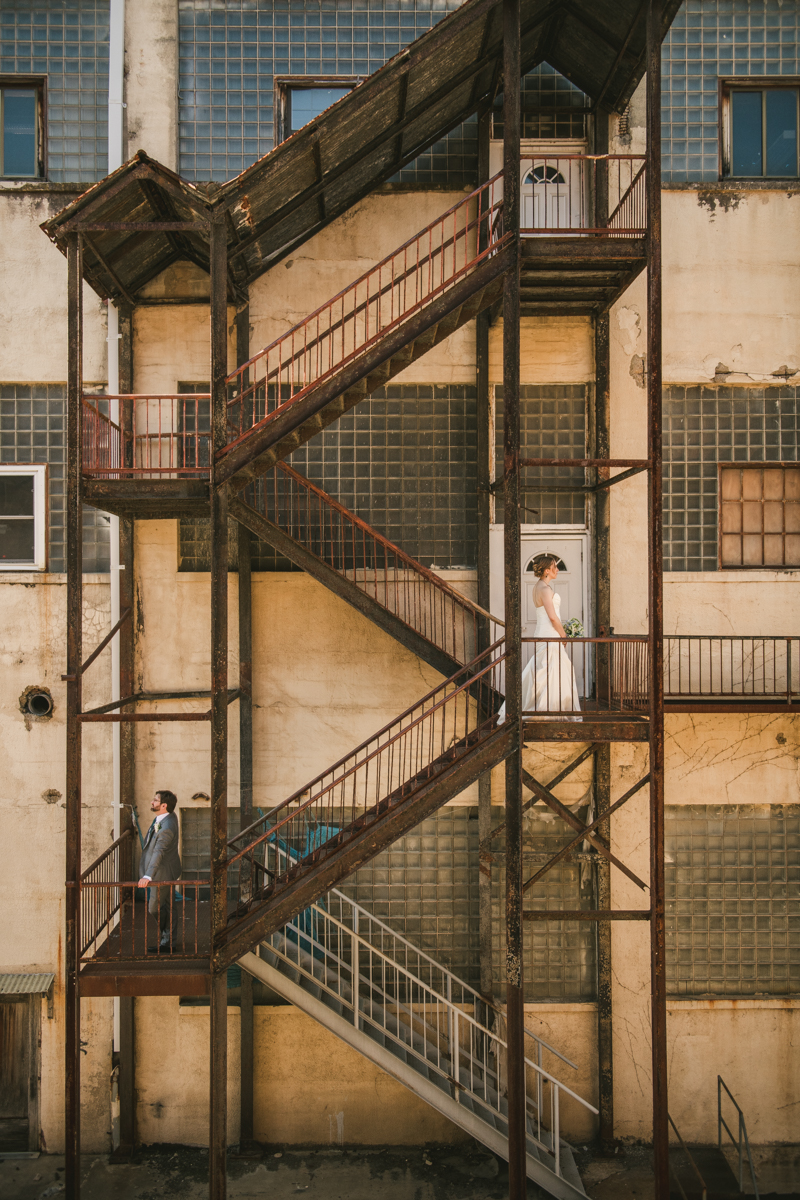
{"x": 271, "y": 901}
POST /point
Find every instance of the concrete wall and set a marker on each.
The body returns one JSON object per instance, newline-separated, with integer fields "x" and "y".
{"x": 151, "y": 76}
{"x": 33, "y": 284}
{"x": 33, "y": 823}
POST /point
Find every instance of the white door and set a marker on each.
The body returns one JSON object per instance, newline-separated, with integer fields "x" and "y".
{"x": 554, "y": 195}
{"x": 571, "y": 544}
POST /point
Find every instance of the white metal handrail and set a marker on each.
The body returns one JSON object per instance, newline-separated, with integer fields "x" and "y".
{"x": 363, "y": 964}
{"x": 743, "y": 1141}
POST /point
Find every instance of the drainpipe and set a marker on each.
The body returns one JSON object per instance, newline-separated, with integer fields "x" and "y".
{"x": 116, "y": 66}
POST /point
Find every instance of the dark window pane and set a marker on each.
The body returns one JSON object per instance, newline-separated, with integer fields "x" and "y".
{"x": 19, "y": 132}
{"x": 16, "y": 495}
{"x": 307, "y": 103}
{"x": 16, "y": 540}
{"x": 781, "y": 131}
{"x": 746, "y": 133}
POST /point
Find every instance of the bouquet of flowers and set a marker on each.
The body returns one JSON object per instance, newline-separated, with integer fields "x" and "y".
{"x": 573, "y": 628}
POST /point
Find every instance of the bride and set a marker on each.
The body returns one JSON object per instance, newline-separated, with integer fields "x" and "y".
{"x": 548, "y": 681}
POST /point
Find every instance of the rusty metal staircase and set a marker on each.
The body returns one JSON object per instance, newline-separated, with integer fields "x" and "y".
{"x": 329, "y": 827}
{"x": 361, "y": 566}
{"x": 418, "y": 296}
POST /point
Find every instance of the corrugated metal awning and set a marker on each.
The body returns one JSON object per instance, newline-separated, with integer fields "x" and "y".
{"x": 26, "y": 985}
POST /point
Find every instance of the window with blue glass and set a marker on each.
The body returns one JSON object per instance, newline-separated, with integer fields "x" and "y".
{"x": 751, "y": 44}
{"x": 761, "y": 126}
{"x": 66, "y": 42}
{"x": 20, "y": 141}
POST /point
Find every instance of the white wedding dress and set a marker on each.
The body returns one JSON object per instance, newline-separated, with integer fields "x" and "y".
{"x": 548, "y": 681}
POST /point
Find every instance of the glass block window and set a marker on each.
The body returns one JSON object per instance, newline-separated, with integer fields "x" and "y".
{"x": 196, "y": 839}
{"x": 404, "y": 461}
{"x": 426, "y": 888}
{"x": 33, "y": 430}
{"x": 709, "y": 40}
{"x": 66, "y": 41}
{"x": 545, "y": 88}
{"x": 552, "y": 425}
{"x": 733, "y": 899}
{"x": 704, "y": 426}
{"x": 560, "y": 957}
{"x": 231, "y": 52}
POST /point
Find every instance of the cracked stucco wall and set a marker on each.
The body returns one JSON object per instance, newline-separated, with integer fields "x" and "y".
{"x": 33, "y": 823}
{"x": 753, "y": 1043}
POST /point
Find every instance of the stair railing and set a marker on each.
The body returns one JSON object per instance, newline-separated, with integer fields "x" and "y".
{"x": 387, "y": 986}
{"x": 692, "y": 1164}
{"x": 742, "y": 1143}
{"x": 389, "y": 293}
{"x": 732, "y": 667}
{"x": 424, "y": 741}
{"x": 416, "y": 595}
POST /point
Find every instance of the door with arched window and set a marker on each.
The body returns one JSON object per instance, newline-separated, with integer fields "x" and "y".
{"x": 555, "y": 193}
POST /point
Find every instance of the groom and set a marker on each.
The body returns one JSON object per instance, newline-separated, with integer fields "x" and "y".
{"x": 160, "y": 860}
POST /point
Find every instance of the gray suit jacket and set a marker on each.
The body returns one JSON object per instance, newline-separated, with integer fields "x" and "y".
{"x": 160, "y": 858}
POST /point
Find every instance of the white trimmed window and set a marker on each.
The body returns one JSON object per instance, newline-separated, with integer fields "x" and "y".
{"x": 23, "y": 518}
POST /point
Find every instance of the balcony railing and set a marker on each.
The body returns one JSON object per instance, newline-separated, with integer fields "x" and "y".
{"x": 171, "y": 437}
{"x": 586, "y": 675}
{"x": 115, "y": 922}
{"x": 732, "y": 668}
{"x": 563, "y": 193}
{"x": 611, "y": 675}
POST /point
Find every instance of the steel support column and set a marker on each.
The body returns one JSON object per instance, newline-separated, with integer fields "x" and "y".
{"x": 601, "y": 502}
{"x": 244, "y": 552}
{"x": 485, "y": 451}
{"x": 517, "y": 1173}
{"x": 219, "y": 717}
{"x": 127, "y": 735}
{"x": 72, "y": 1106}
{"x": 656, "y": 605}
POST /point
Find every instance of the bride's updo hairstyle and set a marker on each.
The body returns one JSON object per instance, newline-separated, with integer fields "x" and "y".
{"x": 542, "y": 563}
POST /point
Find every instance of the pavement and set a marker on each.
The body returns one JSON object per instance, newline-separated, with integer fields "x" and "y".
{"x": 468, "y": 1172}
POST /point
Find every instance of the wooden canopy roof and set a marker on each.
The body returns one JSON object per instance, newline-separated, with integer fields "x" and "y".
{"x": 445, "y": 76}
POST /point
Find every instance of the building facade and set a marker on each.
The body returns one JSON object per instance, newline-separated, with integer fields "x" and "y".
{"x": 211, "y": 86}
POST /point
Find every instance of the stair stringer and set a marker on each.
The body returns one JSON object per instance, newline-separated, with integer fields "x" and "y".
{"x": 276, "y": 438}
{"x": 470, "y": 1122}
{"x": 343, "y": 587}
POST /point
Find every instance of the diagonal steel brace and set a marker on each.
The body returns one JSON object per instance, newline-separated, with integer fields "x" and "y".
{"x": 598, "y": 842}
{"x": 567, "y": 770}
{"x": 586, "y": 829}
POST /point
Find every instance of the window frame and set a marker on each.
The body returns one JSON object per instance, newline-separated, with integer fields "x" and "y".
{"x": 749, "y": 466}
{"x": 40, "y": 516}
{"x": 750, "y": 83}
{"x": 39, "y": 83}
{"x": 284, "y": 84}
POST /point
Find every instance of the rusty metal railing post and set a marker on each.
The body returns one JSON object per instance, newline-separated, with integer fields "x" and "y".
{"x": 72, "y": 1132}
{"x": 219, "y": 716}
{"x": 517, "y": 1157}
{"x": 658, "y": 1001}
{"x": 246, "y": 1133}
